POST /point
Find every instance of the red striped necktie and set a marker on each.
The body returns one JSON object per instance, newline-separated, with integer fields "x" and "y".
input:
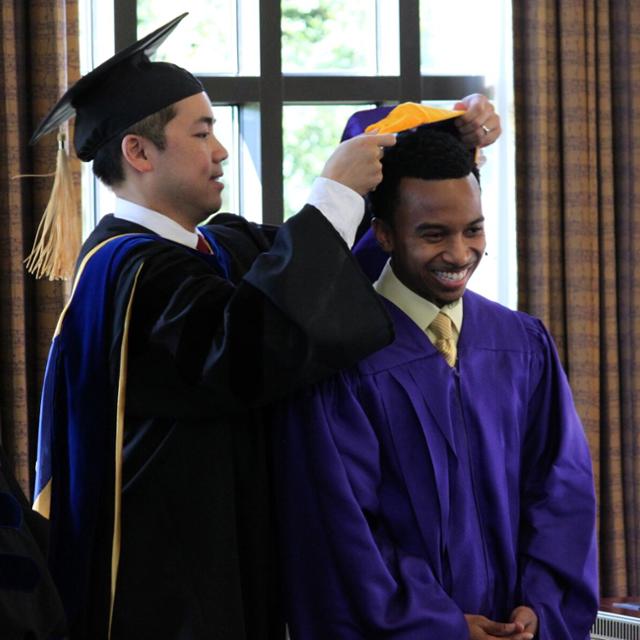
{"x": 203, "y": 245}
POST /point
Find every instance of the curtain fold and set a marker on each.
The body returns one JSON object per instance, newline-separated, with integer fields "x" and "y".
{"x": 38, "y": 57}
{"x": 576, "y": 64}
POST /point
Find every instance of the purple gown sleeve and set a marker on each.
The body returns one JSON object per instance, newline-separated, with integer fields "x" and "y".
{"x": 344, "y": 577}
{"x": 557, "y": 551}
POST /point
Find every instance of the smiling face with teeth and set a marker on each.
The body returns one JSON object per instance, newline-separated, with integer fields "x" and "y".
{"x": 436, "y": 236}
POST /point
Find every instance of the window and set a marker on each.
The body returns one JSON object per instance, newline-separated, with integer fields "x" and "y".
{"x": 283, "y": 78}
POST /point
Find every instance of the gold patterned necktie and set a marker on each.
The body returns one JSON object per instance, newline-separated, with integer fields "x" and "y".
{"x": 442, "y": 328}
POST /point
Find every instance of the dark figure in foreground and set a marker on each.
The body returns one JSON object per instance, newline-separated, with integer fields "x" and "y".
{"x": 30, "y": 608}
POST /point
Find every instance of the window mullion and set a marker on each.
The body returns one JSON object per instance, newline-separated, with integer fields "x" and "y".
{"x": 271, "y": 111}
{"x": 125, "y": 17}
{"x": 410, "y": 81}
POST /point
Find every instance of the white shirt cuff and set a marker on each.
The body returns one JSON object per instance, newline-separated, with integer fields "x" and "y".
{"x": 340, "y": 205}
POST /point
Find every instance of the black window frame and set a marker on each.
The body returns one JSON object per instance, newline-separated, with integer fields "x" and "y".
{"x": 272, "y": 89}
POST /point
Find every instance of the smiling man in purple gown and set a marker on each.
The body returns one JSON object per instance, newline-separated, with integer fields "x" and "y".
{"x": 442, "y": 488}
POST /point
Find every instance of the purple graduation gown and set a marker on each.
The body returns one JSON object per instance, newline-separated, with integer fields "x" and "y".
{"x": 411, "y": 493}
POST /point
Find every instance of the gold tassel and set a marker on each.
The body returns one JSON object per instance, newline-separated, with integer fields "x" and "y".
{"x": 57, "y": 242}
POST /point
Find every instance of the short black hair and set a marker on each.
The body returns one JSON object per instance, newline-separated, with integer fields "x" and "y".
{"x": 428, "y": 153}
{"x": 107, "y": 164}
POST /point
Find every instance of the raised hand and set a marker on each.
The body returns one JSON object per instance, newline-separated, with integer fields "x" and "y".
{"x": 479, "y": 126}
{"x": 355, "y": 163}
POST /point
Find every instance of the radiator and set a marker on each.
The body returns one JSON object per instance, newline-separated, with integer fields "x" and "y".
{"x": 614, "y": 626}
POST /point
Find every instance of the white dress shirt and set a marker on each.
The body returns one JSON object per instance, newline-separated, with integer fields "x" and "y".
{"x": 342, "y": 207}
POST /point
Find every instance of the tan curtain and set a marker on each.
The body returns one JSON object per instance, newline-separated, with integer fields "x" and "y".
{"x": 38, "y": 56}
{"x": 577, "y": 64}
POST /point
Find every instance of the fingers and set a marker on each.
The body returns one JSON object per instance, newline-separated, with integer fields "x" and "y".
{"x": 481, "y": 628}
{"x": 481, "y": 131}
{"x": 480, "y": 125}
{"x": 527, "y": 620}
{"x": 501, "y": 629}
{"x": 382, "y": 139}
{"x": 356, "y": 163}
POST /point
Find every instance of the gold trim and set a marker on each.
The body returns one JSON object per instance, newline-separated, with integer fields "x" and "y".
{"x": 117, "y": 502}
{"x": 42, "y": 503}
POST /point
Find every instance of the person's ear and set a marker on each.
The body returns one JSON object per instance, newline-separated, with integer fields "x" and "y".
{"x": 383, "y": 233}
{"x": 135, "y": 151}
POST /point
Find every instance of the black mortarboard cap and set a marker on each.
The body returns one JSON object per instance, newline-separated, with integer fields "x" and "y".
{"x": 120, "y": 92}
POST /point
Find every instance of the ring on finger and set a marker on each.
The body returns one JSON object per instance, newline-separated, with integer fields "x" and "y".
{"x": 486, "y": 129}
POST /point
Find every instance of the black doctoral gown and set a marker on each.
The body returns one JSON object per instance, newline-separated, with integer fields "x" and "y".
{"x": 193, "y": 359}
{"x": 29, "y": 603}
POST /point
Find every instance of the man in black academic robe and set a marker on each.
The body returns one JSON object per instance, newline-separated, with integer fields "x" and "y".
{"x": 151, "y": 463}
